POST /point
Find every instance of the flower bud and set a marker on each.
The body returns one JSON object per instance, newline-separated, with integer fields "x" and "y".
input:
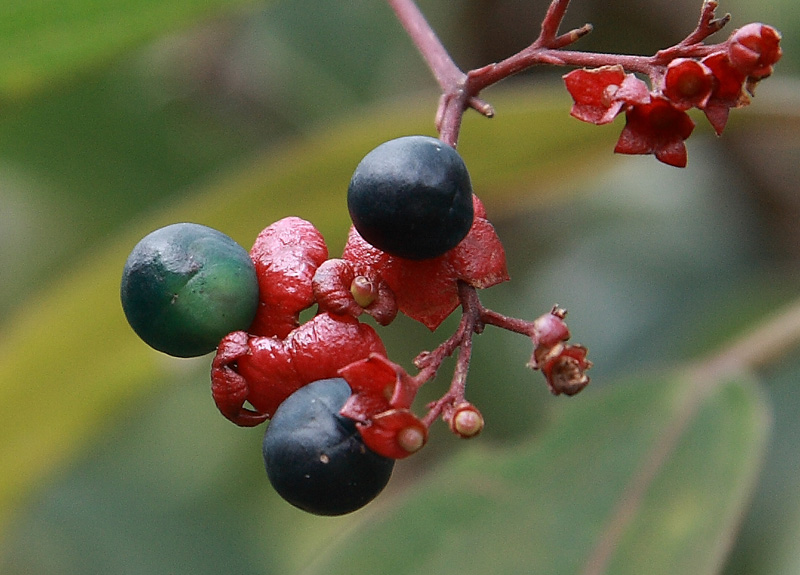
{"x": 363, "y": 291}
{"x": 753, "y": 49}
{"x": 466, "y": 421}
{"x": 396, "y": 433}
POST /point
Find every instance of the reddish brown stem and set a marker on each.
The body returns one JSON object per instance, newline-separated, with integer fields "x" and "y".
{"x": 461, "y": 91}
{"x": 548, "y": 36}
{"x": 471, "y": 323}
{"x": 473, "y": 319}
{"x": 456, "y": 393}
{"x": 707, "y": 25}
{"x": 520, "y": 326}
{"x": 444, "y": 69}
{"x": 429, "y": 362}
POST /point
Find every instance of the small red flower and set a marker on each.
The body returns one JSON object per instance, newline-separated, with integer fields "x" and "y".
{"x": 601, "y": 93}
{"x": 688, "y": 83}
{"x": 380, "y": 403}
{"x": 728, "y": 90}
{"x": 753, "y": 50}
{"x": 656, "y": 128}
{"x": 564, "y": 369}
{"x": 427, "y": 290}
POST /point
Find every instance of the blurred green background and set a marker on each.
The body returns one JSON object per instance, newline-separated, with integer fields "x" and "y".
{"x": 119, "y": 117}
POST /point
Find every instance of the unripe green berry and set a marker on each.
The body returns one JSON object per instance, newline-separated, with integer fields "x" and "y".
{"x": 185, "y": 286}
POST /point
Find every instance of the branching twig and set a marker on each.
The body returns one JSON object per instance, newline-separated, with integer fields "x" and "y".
{"x": 444, "y": 69}
{"x": 461, "y": 90}
{"x": 563, "y": 365}
{"x": 689, "y": 74}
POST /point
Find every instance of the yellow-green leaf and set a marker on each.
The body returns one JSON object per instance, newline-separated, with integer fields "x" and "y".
{"x": 50, "y": 39}
{"x": 645, "y": 476}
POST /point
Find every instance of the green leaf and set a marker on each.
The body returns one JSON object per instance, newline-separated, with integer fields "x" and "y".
{"x": 767, "y": 543}
{"x": 51, "y": 39}
{"x": 648, "y": 476}
{"x": 69, "y": 361}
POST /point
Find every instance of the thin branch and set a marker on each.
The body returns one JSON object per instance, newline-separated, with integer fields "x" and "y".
{"x": 461, "y": 91}
{"x": 707, "y": 25}
{"x": 444, "y": 69}
{"x": 548, "y": 37}
{"x": 456, "y": 393}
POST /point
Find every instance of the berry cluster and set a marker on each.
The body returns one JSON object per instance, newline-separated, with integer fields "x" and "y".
{"x": 340, "y": 410}
{"x": 712, "y": 78}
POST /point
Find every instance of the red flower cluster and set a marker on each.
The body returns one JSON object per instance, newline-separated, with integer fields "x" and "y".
{"x": 713, "y": 79}
{"x": 277, "y": 355}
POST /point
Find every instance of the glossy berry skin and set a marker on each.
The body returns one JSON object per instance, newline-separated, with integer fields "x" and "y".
{"x": 411, "y": 197}
{"x": 315, "y": 458}
{"x": 185, "y": 286}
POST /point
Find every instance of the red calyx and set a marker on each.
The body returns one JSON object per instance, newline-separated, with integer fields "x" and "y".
{"x": 286, "y": 254}
{"x": 352, "y": 288}
{"x": 380, "y": 405}
{"x": 656, "y": 128}
{"x": 753, "y": 50}
{"x": 728, "y": 90}
{"x": 265, "y": 370}
{"x": 688, "y": 83}
{"x": 602, "y": 93}
{"x": 563, "y": 366}
{"x": 427, "y": 290}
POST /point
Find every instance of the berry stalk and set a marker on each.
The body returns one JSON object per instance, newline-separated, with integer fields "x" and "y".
{"x": 564, "y": 366}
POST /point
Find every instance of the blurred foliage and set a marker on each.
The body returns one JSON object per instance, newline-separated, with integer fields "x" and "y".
{"x": 511, "y": 509}
{"x": 48, "y": 40}
{"x": 116, "y": 118}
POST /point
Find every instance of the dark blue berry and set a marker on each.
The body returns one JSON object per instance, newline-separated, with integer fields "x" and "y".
{"x": 412, "y": 197}
{"x": 315, "y": 457}
{"x": 186, "y": 286}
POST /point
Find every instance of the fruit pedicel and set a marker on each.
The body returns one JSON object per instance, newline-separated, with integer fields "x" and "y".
{"x": 341, "y": 412}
